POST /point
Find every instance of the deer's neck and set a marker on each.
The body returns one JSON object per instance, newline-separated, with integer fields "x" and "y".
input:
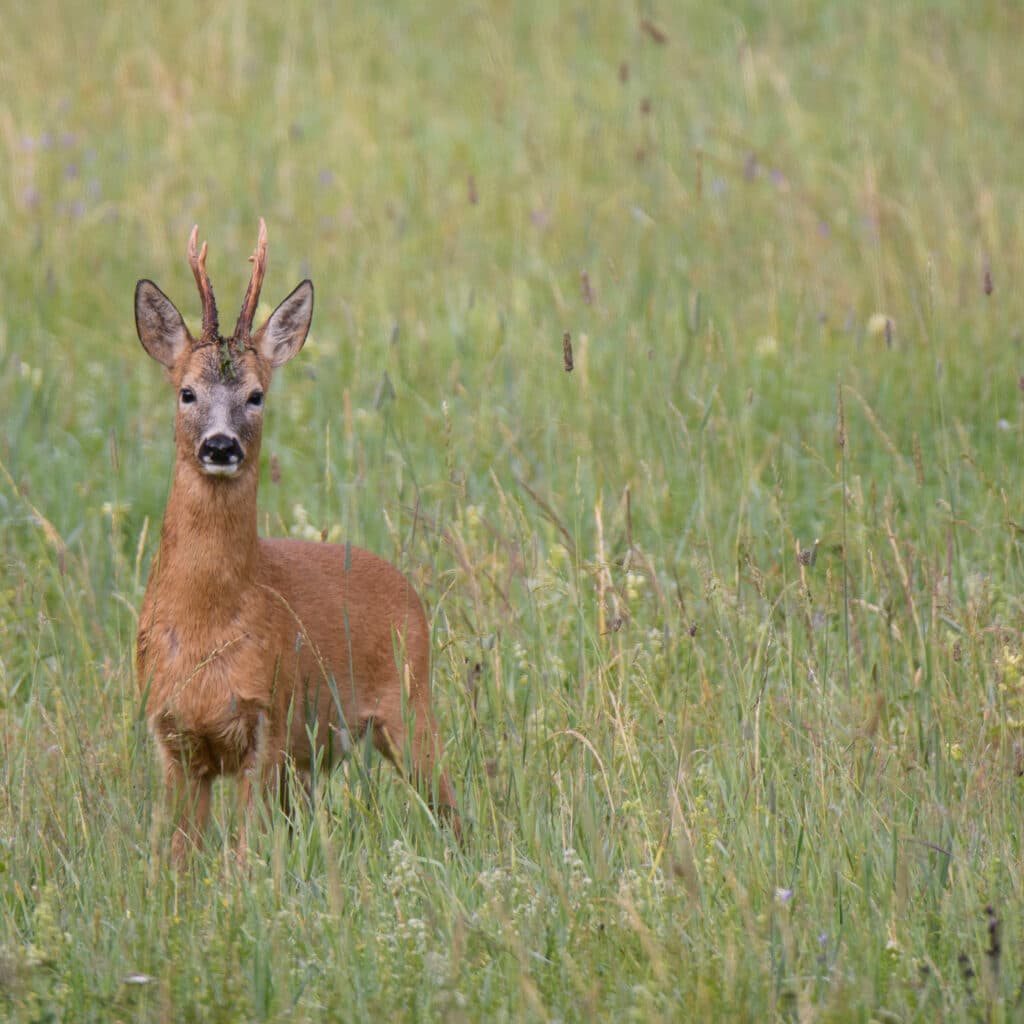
{"x": 209, "y": 546}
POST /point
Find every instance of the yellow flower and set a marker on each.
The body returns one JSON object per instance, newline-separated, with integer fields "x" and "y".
{"x": 879, "y": 325}
{"x": 1010, "y": 659}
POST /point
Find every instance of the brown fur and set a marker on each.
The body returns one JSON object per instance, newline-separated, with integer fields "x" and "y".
{"x": 246, "y": 646}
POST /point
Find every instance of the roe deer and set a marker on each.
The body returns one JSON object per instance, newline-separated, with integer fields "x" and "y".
{"x": 254, "y": 654}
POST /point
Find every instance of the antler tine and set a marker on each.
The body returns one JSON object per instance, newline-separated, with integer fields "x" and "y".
{"x": 197, "y": 261}
{"x": 252, "y": 294}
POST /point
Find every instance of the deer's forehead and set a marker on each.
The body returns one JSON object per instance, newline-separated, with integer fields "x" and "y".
{"x": 216, "y": 366}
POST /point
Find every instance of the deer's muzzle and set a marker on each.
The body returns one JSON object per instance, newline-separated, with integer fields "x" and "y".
{"x": 220, "y": 455}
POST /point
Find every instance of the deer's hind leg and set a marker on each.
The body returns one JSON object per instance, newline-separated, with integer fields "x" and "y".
{"x": 391, "y": 736}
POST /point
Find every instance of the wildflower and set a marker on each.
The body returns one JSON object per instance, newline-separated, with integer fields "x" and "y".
{"x": 493, "y": 882}
{"x": 303, "y": 528}
{"x": 634, "y": 582}
{"x": 435, "y": 967}
{"x": 404, "y": 874}
{"x": 414, "y": 933}
{"x": 1011, "y": 659}
{"x": 892, "y": 945}
{"x": 579, "y": 880}
{"x": 519, "y": 653}
{"x": 880, "y": 325}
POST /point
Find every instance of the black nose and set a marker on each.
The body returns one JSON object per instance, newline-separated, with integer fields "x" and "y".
{"x": 221, "y": 450}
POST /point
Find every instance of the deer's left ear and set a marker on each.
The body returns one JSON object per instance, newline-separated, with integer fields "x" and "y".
{"x": 285, "y": 332}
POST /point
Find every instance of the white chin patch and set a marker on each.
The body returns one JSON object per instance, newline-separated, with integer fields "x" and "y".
{"x": 220, "y": 468}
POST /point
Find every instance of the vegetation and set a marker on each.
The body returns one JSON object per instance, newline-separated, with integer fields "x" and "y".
{"x": 727, "y": 620}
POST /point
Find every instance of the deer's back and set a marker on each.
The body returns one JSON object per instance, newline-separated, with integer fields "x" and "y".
{"x": 332, "y": 589}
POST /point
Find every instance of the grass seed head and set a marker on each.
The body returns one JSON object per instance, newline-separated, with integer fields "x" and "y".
{"x": 585, "y": 290}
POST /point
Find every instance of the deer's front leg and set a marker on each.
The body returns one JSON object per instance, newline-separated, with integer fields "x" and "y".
{"x": 245, "y": 810}
{"x": 259, "y": 781}
{"x": 189, "y": 799}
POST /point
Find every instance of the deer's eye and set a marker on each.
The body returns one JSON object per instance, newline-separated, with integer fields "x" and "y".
{"x": 256, "y": 399}
{"x": 188, "y": 396}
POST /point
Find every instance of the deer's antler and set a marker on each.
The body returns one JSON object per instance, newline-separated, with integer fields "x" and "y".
{"x": 252, "y": 294}
{"x": 197, "y": 261}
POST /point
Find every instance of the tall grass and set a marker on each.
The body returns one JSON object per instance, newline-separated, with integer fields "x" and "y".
{"x": 727, "y": 621}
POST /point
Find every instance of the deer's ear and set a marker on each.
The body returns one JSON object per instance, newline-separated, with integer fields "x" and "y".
{"x": 285, "y": 332}
{"x": 161, "y": 329}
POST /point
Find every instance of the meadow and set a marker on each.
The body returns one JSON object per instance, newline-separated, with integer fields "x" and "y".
{"x": 727, "y": 621}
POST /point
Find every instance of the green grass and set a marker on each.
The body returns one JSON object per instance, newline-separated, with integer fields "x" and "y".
{"x": 706, "y": 778}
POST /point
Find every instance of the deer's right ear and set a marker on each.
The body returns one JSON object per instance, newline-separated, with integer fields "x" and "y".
{"x": 161, "y": 328}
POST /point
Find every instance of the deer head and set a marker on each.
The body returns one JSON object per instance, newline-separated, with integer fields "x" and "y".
{"x": 221, "y": 381}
